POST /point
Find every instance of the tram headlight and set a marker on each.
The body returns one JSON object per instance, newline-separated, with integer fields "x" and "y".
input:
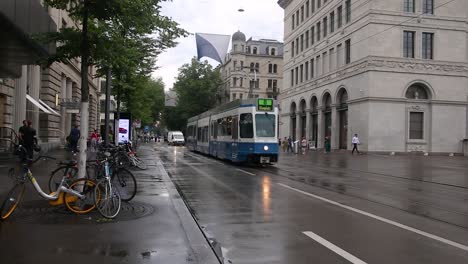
{"x": 265, "y": 148}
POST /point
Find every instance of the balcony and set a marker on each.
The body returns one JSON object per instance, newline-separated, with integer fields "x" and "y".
{"x": 19, "y": 21}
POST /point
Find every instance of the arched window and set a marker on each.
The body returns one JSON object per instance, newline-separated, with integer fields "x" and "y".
{"x": 293, "y": 108}
{"x": 327, "y": 102}
{"x": 313, "y": 104}
{"x": 342, "y": 98}
{"x": 417, "y": 91}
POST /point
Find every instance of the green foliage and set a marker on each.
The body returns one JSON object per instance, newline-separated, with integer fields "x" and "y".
{"x": 196, "y": 87}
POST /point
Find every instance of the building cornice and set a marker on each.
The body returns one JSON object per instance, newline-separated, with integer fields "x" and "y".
{"x": 284, "y": 3}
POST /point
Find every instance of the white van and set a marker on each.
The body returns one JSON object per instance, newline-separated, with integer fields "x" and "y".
{"x": 175, "y": 138}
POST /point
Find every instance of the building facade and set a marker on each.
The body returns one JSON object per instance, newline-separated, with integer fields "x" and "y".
{"x": 48, "y": 96}
{"x": 394, "y": 72}
{"x": 253, "y": 68}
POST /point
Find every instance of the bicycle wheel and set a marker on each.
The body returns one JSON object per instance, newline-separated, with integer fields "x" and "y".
{"x": 125, "y": 183}
{"x": 74, "y": 203}
{"x": 57, "y": 175}
{"x": 107, "y": 199}
{"x": 123, "y": 160}
{"x": 12, "y": 201}
{"x": 141, "y": 164}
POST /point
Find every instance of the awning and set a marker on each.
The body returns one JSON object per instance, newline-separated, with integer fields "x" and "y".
{"x": 49, "y": 108}
{"x": 36, "y": 103}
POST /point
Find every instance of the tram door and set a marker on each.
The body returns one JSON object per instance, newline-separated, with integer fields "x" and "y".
{"x": 235, "y": 137}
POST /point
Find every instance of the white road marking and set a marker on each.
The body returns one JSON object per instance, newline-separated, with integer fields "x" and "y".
{"x": 385, "y": 220}
{"x": 333, "y": 248}
{"x": 252, "y": 174}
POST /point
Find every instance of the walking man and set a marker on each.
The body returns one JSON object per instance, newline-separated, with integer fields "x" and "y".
{"x": 355, "y": 142}
{"x": 290, "y": 144}
{"x": 74, "y": 137}
{"x": 28, "y": 138}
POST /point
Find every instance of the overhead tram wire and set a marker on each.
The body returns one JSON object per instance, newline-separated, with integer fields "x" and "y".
{"x": 385, "y": 30}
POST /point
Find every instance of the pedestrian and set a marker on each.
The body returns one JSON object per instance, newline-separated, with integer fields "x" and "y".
{"x": 22, "y": 130}
{"x": 285, "y": 144}
{"x": 327, "y": 145}
{"x": 290, "y": 144}
{"x": 74, "y": 137}
{"x": 94, "y": 140}
{"x": 355, "y": 142}
{"x": 28, "y": 138}
{"x": 303, "y": 145}
{"x": 279, "y": 142}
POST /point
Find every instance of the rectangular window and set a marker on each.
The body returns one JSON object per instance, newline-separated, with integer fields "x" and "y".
{"x": 339, "y": 55}
{"x": 275, "y": 85}
{"x": 312, "y": 35}
{"x": 306, "y": 70}
{"x": 270, "y": 68}
{"x": 246, "y": 126}
{"x": 292, "y": 49}
{"x": 297, "y": 75}
{"x": 340, "y": 16}
{"x": 319, "y": 3}
{"x": 324, "y": 63}
{"x": 241, "y": 95}
{"x": 234, "y": 96}
{"x": 318, "y": 31}
{"x": 348, "y": 51}
{"x": 292, "y": 22}
{"x": 235, "y": 127}
{"x": 302, "y": 42}
{"x": 332, "y": 22}
{"x": 297, "y": 46}
{"x": 325, "y": 26}
{"x": 427, "y": 46}
{"x": 302, "y": 13}
{"x": 408, "y": 44}
{"x": 331, "y": 63}
{"x": 348, "y": 10}
{"x": 302, "y": 73}
{"x": 317, "y": 63}
{"x": 297, "y": 18}
{"x": 428, "y": 7}
{"x": 416, "y": 125}
{"x": 265, "y": 125}
{"x": 313, "y": 6}
{"x": 409, "y": 6}
{"x": 307, "y": 39}
{"x": 307, "y": 9}
{"x": 270, "y": 84}
{"x": 312, "y": 68}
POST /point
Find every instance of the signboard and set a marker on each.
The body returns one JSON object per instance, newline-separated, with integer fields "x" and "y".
{"x": 124, "y": 130}
{"x": 265, "y": 105}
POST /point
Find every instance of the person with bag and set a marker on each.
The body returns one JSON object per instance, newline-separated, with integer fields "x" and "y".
{"x": 94, "y": 140}
{"x": 29, "y": 139}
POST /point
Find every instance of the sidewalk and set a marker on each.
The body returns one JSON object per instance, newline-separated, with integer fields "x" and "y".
{"x": 155, "y": 227}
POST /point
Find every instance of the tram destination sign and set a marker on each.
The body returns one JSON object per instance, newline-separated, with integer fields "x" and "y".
{"x": 265, "y": 105}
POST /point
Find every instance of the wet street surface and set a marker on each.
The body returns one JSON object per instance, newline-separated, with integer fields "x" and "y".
{"x": 328, "y": 208}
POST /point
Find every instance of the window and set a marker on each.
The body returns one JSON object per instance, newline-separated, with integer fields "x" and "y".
{"x": 273, "y": 52}
{"x": 270, "y": 84}
{"x": 234, "y": 96}
{"x": 302, "y": 42}
{"x": 312, "y": 68}
{"x": 241, "y": 95}
{"x": 317, "y": 61}
{"x": 234, "y": 81}
{"x": 307, "y": 9}
{"x": 302, "y": 73}
{"x": 254, "y": 84}
{"x": 340, "y": 16}
{"x": 292, "y": 22}
{"x": 313, "y": 6}
{"x": 331, "y": 55}
{"x": 416, "y": 125}
{"x": 409, "y": 6}
{"x": 275, "y": 68}
{"x": 297, "y": 18}
{"x": 417, "y": 91}
{"x": 428, "y": 7}
{"x": 332, "y": 22}
{"x": 325, "y": 26}
{"x": 292, "y": 77}
{"x": 319, "y": 3}
{"x": 348, "y": 10}
{"x": 270, "y": 68}
{"x": 408, "y": 44}
{"x": 275, "y": 85}
{"x": 307, "y": 39}
{"x": 292, "y": 48}
{"x": 257, "y": 67}
{"x": 427, "y": 45}
{"x": 318, "y": 31}
{"x": 324, "y": 62}
{"x": 348, "y": 51}
{"x": 302, "y": 13}
{"x": 235, "y": 127}
{"x": 241, "y": 82}
{"x": 306, "y": 70}
{"x": 312, "y": 35}
{"x": 297, "y": 75}
{"x": 246, "y": 125}
{"x": 252, "y": 67}
{"x": 254, "y": 50}
{"x": 265, "y": 125}
{"x": 297, "y": 45}
{"x": 339, "y": 55}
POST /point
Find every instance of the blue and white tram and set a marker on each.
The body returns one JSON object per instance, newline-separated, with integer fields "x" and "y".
{"x": 240, "y": 131}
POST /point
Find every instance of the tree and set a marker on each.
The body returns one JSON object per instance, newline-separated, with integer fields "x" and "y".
{"x": 196, "y": 87}
{"x": 124, "y": 34}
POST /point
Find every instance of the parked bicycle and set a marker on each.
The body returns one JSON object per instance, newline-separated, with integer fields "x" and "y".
{"x": 78, "y": 196}
{"x": 107, "y": 197}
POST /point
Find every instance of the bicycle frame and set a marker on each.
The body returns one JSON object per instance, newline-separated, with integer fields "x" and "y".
{"x": 56, "y": 195}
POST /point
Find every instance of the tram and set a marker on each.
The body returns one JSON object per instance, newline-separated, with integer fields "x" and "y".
{"x": 239, "y": 131}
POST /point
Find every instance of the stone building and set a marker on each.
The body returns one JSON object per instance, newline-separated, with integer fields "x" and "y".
{"x": 252, "y": 67}
{"x": 38, "y": 93}
{"x": 393, "y": 71}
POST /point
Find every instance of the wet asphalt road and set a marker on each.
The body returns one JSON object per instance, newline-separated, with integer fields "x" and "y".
{"x": 333, "y": 208}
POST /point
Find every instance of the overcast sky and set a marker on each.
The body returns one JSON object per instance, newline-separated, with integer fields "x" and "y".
{"x": 260, "y": 19}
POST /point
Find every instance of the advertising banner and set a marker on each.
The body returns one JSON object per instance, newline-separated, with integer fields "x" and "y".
{"x": 124, "y": 130}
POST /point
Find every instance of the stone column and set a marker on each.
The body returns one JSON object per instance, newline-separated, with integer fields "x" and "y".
{"x": 20, "y": 98}
{"x": 34, "y": 90}
{"x": 298, "y": 126}
{"x": 320, "y": 129}
{"x": 335, "y": 133}
{"x": 308, "y": 124}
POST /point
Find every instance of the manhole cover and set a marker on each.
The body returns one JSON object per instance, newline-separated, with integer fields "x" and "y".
{"x": 40, "y": 212}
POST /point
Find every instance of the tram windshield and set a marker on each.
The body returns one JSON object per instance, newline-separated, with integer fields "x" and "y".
{"x": 265, "y": 125}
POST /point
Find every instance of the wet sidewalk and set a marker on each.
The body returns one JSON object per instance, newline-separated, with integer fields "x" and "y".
{"x": 155, "y": 227}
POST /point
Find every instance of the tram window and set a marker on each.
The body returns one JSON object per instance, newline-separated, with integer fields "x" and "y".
{"x": 215, "y": 135}
{"x": 228, "y": 122}
{"x": 265, "y": 125}
{"x": 246, "y": 126}
{"x": 199, "y": 134}
{"x": 235, "y": 130}
{"x": 220, "y": 127}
